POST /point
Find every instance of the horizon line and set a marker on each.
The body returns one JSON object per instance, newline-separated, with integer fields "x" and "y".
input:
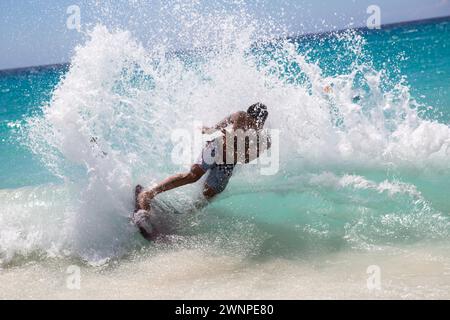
{"x": 300, "y": 35}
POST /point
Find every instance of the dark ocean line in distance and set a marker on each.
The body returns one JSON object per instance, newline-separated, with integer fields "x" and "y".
{"x": 291, "y": 37}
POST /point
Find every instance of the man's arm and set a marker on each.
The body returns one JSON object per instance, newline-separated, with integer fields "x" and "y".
{"x": 222, "y": 124}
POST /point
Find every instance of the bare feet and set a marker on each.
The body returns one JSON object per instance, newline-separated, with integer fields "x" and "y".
{"x": 144, "y": 199}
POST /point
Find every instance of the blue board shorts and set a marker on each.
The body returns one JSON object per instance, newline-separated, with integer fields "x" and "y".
{"x": 218, "y": 175}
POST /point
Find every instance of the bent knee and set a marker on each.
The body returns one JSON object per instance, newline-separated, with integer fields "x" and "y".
{"x": 208, "y": 192}
{"x": 195, "y": 174}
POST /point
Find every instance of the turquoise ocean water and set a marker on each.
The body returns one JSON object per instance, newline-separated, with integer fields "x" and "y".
{"x": 363, "y": 163}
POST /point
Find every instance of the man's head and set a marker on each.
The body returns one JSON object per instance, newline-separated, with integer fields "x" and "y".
{"x": 259, "y": 113}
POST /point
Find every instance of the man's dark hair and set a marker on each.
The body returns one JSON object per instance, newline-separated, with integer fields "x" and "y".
{"x": 258, "y": 111}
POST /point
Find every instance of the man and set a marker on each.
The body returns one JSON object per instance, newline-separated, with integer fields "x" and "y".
{"x": 219, "y": 172}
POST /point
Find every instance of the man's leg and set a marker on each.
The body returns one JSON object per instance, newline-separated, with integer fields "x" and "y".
{"x": 209, "y": 192}
{"x": 170, "y": 183}
{"x": 217, "y": 180}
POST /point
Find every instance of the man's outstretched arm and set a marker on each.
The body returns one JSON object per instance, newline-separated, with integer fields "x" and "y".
{"x": 222, "y": 124}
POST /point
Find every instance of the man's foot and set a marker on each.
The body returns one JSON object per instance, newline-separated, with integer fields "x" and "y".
{"x": 142, "y": 215}
{"x": 143, "y": 199}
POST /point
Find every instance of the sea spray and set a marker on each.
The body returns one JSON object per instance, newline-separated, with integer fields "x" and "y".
{"x": 355, "y": 152}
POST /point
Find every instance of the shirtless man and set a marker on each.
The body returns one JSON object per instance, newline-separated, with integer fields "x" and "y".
{"x": 219, "y": 174}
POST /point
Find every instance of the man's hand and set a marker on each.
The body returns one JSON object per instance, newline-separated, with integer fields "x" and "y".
{"x": 207, "y": 130}
{"x": 221, "y": 125}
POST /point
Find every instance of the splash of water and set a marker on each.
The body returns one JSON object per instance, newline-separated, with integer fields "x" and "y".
{"x": 110, "y": 120}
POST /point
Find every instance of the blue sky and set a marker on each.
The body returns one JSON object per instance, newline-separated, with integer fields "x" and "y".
{"x": 34, "y": 32}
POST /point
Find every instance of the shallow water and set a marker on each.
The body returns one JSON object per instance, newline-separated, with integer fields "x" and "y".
{"x": 419, "y": 272}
